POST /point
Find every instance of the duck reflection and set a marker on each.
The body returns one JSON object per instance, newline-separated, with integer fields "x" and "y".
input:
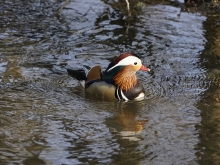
{"x": 9, "y": 69}
{"x": 125, "y": 124}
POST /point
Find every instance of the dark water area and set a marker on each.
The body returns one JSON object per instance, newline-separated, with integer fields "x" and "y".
{"x": 45, "y": 116}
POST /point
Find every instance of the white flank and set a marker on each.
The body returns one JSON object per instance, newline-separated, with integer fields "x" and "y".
{"x": 140, "y": 96}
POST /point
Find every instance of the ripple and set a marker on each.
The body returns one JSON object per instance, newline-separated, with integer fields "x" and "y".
{"x": 179, "y": 85}
{"x": 154, "y": 91}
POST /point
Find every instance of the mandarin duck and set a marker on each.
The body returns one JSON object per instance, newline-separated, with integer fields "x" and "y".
{"x": 118, "y": 81}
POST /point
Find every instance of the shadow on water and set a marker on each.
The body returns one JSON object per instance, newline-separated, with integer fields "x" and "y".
{"x": 45, "y": 116}
{"x": 208, "y": 148}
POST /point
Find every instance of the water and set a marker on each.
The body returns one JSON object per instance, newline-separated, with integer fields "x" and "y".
{"x": 45, "y": 116}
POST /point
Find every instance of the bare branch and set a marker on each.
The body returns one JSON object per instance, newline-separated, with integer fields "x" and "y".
{"x": 128, "y": 6}
{"x": 61, "y": 8}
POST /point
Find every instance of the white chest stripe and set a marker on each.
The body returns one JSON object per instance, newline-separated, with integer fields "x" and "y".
{"x": 120, "y": 95}
{"x": 123, "y": 96}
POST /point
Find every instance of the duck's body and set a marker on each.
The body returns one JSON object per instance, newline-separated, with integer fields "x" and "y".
{"x": 119, "y": 80}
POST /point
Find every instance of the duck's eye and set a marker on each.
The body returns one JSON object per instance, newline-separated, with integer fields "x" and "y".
{"x": 135, "y": 63}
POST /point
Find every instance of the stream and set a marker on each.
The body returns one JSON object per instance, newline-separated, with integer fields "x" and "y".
{"x": 46, "y": 118}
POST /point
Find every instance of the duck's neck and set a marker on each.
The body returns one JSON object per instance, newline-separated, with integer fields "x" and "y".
{"x": 125, "y": 79}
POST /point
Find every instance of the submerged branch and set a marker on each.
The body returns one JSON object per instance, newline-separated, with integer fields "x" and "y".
{"x": 128, "y": 7}
{"x": 61, "y": 8}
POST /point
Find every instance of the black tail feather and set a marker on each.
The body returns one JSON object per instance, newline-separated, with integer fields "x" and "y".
{"x": 77, "y": 74}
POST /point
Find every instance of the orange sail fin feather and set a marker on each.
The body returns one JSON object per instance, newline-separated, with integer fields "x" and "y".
{"x": 94, "y": 74}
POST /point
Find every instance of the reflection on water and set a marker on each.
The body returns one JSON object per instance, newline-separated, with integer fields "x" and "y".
{"x": 124, "y": 123}
{"x": 45, "y": 116}
{"x": 208, "y": 148}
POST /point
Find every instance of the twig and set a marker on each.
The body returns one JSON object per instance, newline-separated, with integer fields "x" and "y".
{"x": 61, "y": 8}
{"x": 128, "y": 7}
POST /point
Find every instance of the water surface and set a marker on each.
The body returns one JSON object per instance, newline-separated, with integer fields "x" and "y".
{"x": 46, "y": 118}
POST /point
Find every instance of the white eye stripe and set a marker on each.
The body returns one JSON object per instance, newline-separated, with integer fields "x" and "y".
{"x": 130, "y": 60}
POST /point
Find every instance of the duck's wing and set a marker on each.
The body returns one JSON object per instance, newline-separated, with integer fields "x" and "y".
{"x": 94, "y": 75}
{"x": 78, "y": 74}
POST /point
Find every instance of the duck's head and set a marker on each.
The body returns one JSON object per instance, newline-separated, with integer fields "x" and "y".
{"x": 127, "y": 59}
{"x": 121, "y": 71}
